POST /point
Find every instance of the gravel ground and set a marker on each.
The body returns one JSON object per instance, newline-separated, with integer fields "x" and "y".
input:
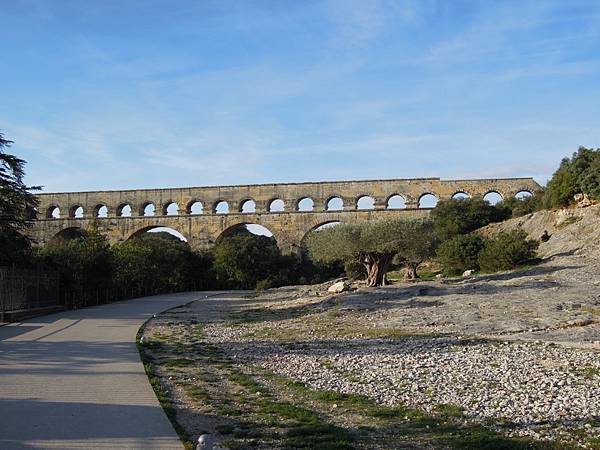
{"x": 519, "y": 352}
{"x": 546, "y": 390}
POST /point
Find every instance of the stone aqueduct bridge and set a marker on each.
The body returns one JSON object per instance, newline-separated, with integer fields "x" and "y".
{"x": 204, "y": 214}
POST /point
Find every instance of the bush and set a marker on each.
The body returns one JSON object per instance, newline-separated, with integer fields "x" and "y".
{"x": 461, "y": 216}
{"x": 460, "y": 253}
{"x": 507, "y": 251}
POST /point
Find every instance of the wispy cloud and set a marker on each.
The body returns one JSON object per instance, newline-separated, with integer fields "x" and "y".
{"x": 256, "y": 92}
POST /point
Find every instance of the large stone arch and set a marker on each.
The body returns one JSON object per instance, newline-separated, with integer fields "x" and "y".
{"x": 145, "y": 228}
{"x": 230, "y": 228}
{"x": 68, "y": 233}
{"x": 316, "y": 224}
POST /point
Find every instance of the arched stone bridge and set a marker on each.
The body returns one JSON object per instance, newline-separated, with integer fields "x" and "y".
{"x": 289, "y": 210}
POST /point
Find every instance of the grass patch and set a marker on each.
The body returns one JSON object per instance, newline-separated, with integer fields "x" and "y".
{"x": 244, "y": 380}
{"x": 590, "y": 309}
{"x": 448, "y": 410}
{"x": 444, "y": 428}
{"x": 177, "y": 362}
{"x": 569, "y": 221}
{"x": 319, "y": 436}
{"x": 589, "y": 372}
{"x": 198, "y": 393}
{"x": 160, "y": 392}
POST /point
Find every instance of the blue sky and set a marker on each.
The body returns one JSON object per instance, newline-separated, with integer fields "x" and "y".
{"x": 136, "y": 94}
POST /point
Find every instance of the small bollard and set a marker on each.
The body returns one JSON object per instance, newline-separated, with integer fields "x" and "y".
{"x": 204, "y": 442}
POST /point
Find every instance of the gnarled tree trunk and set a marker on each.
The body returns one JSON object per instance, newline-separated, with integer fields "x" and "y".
{"x": 377, "y": 265}
{"x": 411, "y": 270}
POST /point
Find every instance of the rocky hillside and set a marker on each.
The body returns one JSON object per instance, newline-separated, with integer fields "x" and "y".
{"x": 573, "y": 231}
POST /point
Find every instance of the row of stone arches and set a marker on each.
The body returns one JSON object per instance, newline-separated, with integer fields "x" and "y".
{"x": 249, "y": 206}
{"x": 254, "y": 228}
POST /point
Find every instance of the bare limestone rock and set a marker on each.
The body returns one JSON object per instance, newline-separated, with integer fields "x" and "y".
{"x": 468, "y": 273}
{"x": 583, "y": 201}
{"x": 340, "y": 286}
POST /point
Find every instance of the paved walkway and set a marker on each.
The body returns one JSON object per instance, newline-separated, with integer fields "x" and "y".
{"x": 75, "y": 380}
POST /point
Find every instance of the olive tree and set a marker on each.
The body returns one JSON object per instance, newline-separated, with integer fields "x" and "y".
{"x": 420, "y": 245}
{"x": 375, "y": 244}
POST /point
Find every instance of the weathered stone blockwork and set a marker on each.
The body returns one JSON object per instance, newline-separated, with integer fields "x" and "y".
{"x": 289, "y": 226}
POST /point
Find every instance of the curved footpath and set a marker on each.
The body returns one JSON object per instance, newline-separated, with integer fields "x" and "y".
{"x": 75, "y": 380}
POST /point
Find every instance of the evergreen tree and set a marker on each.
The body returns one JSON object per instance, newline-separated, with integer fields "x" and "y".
{"x": 17, "y": 207}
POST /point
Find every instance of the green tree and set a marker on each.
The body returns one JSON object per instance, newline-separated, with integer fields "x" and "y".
{"x": 84, "y": 263}
{"x": 460, "y": 253}
{"x": 244, "y": 259}
{"x": 420, "y": 245}
{"x": 160, "y": 262}
{"x": 461, "y": 216}
{"x": 578, "y": 174}
{"x": 17, "y": 207}
{"x": 373, "y": 244}
{"x": 527, "y": 205}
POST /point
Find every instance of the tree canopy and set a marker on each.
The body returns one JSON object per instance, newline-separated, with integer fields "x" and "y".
{"x": 454, "y": 217}
{"x": 244, "y": 259}
{"x": 375, "y": 244}
{"x": 578, "y": 174}
{"x": 17, "y": 206}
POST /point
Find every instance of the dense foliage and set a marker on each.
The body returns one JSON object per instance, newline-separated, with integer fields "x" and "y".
{"x": 527, "y": 205}
{"x": 507, "y": 251}
{"x": 460, "y": 253}
{"x": 244, "y": 259}
{"x": 578, "y": 174}
{"x": 374, "y": 245}
{"x": 84, "y": 263}
{"x": 460, "y": 216}
{"x": 152, "y": 263}
{"x": 17, "y": 208}
{"x": 160, "y": 262}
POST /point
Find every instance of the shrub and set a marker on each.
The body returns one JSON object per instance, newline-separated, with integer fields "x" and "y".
{"x": 460, "y": 253}
{"x": 507, "y": 251}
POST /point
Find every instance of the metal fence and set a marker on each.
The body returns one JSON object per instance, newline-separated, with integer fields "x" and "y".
{"x": 27, "y": 289}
